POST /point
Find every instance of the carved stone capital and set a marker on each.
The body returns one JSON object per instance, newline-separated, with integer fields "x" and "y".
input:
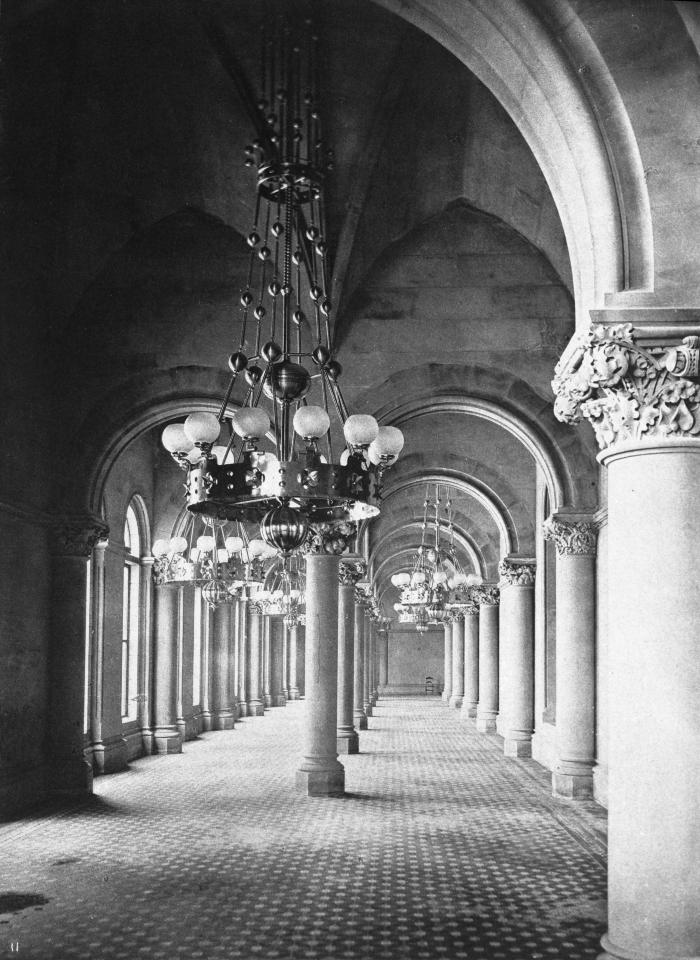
{"x": 471, "y": 605}
{"x": 350, "y": 571}
{"x": 628, "y": 393}
{"x": 488, "y": 595}
{"x": 572, "y": 537}
{"x": 77, "y": 536}
{"x": 517, "y": 573}
{"x": 332, "y": 538}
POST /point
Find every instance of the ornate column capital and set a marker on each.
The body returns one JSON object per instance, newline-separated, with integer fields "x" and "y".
{"x": 330, "y": 538}
{"x": 486, "y": 594}
{"x": 350, "y": 572}
{"x": 515, "y": 572}
{"x": 471, "y": 605}
{"x": 629, "y": 393}
{"x": 77, "y": 536}
{"x": 572, "y": 537}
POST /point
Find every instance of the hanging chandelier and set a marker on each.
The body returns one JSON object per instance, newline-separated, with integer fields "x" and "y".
{"x": 283, "y": 593}
{"x": 216, "y": 556}
{"x": 437, "y": 586}
{"x": 284, "y": 356}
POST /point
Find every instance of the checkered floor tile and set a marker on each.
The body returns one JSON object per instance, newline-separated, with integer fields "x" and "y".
{"x": 441, "y": 849}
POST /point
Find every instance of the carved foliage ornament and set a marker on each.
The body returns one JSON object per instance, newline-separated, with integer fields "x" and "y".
{"x": 625, "y": 392}
{"x": 485, "y": 594}
{"x": 517, "y": 573}
{"x": 572, "y": 537}
{"x": 332, "y": 538}
{"x": 350, "y": 571}
{"x": 77, "y": 537}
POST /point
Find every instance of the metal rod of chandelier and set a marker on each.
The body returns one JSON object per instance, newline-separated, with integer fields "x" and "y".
{"x": 288, "y": 273}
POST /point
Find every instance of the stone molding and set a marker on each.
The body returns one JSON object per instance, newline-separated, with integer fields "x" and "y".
{"x": 573, "y": 538}
{"x": 487, "y": 595}
{"x": 517, "y": 573}
{"x": 330, "y": 538}
{"x": 76, "y": 536}
{"x": 350, "y": 571}
{"x": 629, "y": 393}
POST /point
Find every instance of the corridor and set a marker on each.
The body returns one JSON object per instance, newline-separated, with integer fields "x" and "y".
{"x": 441, "y": 849}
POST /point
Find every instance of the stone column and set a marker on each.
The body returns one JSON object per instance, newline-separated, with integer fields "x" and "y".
{"x": 349, "y": 573}
{"x": 256, "y": 707}
{"x": 321, "y": 773}
{"x": 207, "y": 669}
{"x": 285, "y": 660}
{"x": 72, "y": 543}
{"x": 487, "y": 707}
{"x": 383, "y": 640}
{"x": 471, "y": 660}
{"x": 447, "y": 688}
{"x": 292, "y": 672}
{"x": 301, "y": 660}
{"x": 223, "y": 715}
{"x": 575, "y": 655}
{"x": 516, "y": 682}
{"x": 457, "y": 694}
{"x": 359, "y": 715}
{"x": 96, "y": 691}
{"x": 266, "y": 694}
{"x": 643, "y": 400}
{"x": 278, "y": 697}
{"x": 185, "y": 663}
{"x": 242, "y": 607}
{"x": 366, "y": 701}
{"x": 373, "y": 662}
{"x": 166, "y": 736}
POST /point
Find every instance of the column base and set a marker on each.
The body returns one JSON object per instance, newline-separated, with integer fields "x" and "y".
{"x": 256, "y": 708}
{"x": 225, "y": 720}
{"x": 367, "y": 707}
{"x": 347, "y": 742}
{"x": 187, "y": 727}
{"x": 360, "y": 721}
{"x": 293, "y": 693}
{"x": 455, "y": 701}
{"x": 279, "y": 701}
{"x": 267, "y": 701}
{"x": 572, "y": 786}
{"x": 242, "y": 709}
{"x": 323, "y": 782}
{"x": 167, "y": 740}
{"x": 468, "y": 710}
{"x": 613, "y": 952}
{"x": 486, "y": 724}
{"x": 110, "y": 755}
{"x": 69, "y": 777}
{"x": 517, "y": 748}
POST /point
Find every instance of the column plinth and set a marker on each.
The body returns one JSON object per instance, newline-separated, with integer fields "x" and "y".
{"x": 471, "y": 662}
{"x": 487, "y": 707}
{"x": 457, "y": 693}
{"x": 321, "y": 773}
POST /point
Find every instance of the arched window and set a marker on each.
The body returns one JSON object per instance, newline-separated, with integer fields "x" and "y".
{"x": 130, "y": 619}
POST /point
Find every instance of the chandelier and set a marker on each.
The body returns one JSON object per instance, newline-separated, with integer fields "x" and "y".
{"x": 216, "y": 556}
{"x": 283, "y": 593}
{"x": 437, "y": 586}
{"x": 284, "y": 355}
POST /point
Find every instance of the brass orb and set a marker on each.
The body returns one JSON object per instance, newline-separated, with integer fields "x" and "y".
{"x": 284, "y": 528}
{"x": 287, "y": 381}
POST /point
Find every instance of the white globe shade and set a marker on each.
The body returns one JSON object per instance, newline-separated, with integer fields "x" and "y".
{"x": 418, "y": 577}
{"x": 174, "y": 438}
{"x": 389, "y": 441}
{"x": 256, "y": 548}
{"x": 160, "y": 548}
{"x": 195, "y": 455}
{"x": 439, "y": 577}
{"x": 344, "y": 457}
{"x": 251, "y": 423}
{"x": 178, "y": 544}
{"x": 222, "y": 555}
{"x": 205, "y": 543}
{"x": 403, "y": 579}
{"x": 234, "y": 544}
{"x": 360, "y": 429}
{"x": 395, "y": 579}
{"x": 202, "y": 428}
{"x": 269, "y": 551}
{"x": 311, "y": 422}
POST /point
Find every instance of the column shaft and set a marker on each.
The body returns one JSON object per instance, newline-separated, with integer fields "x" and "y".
{"x": 223, "y": 716}
{"x": 471, "y": 664}
{"x": 447, "y": 686}
{"x": 366, "y": 701}
{"x": 166, "y": 736}
{"x": 348, "y": 740}
{"x": 292, "y": 650}
{"x": 242, "y": 608}
{"x": 278, "y": 697}
{"x": 516, "y": 693}
{"x": 487, "y": 707}
{"x": 457, "y": 694}
{"x": 321, "y": 773}
{"x": 383, "y": 660}
{"x": 256, "y": 707}
{"x": 359, "y": 715}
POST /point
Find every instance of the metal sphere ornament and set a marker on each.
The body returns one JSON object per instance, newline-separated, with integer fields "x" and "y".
{"x": 215, "y": 592}
{"x": 284, "y": 528}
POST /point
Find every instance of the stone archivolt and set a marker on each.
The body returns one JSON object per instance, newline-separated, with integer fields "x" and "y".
{"x": 572, "y": 537}
{"x": 625, "y": 392}
{"x": 519, "y": 573}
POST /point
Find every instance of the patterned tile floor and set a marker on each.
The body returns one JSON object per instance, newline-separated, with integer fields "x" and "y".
{"x": 441, "y": 849}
